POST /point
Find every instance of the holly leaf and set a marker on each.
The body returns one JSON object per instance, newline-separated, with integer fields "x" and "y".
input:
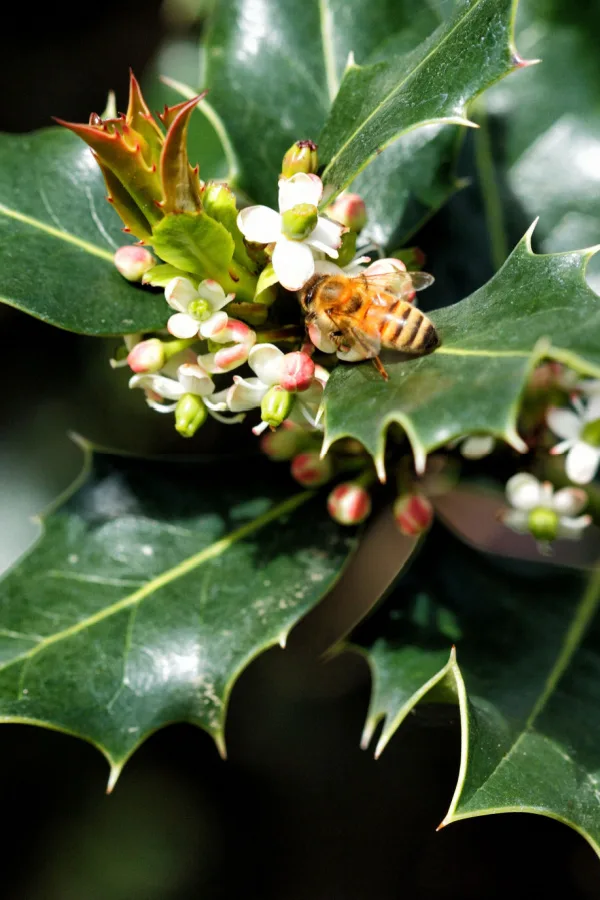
{"x": 548, "y": 114}
{"x": 270, "y": 95}
{"x": 403, "y": 186}
{"x": 535, "y": 307}
{"x": 151, "y": 589}
{"x": 58, "y": 236}
{"x": 524, "y": 673}
{"x": 433, "y": 84}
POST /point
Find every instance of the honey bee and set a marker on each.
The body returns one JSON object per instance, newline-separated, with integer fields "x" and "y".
{"x": 361, "y": 314}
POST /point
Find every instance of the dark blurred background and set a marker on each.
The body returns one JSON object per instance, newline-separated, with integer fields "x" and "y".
{"x": 297, "y": 812}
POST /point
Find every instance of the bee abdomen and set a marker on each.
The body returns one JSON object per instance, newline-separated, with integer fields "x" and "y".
{"x": 409, "y": 331}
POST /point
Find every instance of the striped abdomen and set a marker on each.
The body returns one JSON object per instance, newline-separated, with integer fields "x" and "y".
{"x": 402, "y": 327}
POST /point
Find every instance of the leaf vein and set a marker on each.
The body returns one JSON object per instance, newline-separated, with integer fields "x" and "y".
{"x": 399, "y": 86}
{"x": 66, "y": 236}
{"x": 183, "y": 568}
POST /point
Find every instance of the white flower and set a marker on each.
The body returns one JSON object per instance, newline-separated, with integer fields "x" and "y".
{"x": 268, "y": 363}
{"x": 579, "y": 429}
{"x": 538, "y": 510}
{"x": 475, "y": 446}
{"x": 188, "y": 378}
{"x": 293, "y": 258}
{"x": 198, "y": 311}
{"x": 323, "y": 341}
{"x": 589, "y": 386}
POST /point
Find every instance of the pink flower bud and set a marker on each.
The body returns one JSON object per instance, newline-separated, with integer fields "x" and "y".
{"x": 147, "y": 356}
{"x": 284, "y": 443}
{"x": 297, "y": 371}
{"x": 349, "y": 210}
{"x": 133, "y": 261}
{"x": 413, "y": 513}
{"x": 349, "y": 503}
{"x": 310, "y": 470}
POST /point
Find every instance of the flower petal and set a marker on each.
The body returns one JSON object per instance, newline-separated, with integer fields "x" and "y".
{"x": 569, "y": 501}
{"x": 593, "y": 408}
{"x": 213, "y": 325}
{"x": 164, "y": 387}
{"x": 516, "y": 519}
{"x": 179, "y": 293}
{"x": 218, "y": 401}
{"x": 300, "y": 188}
{"x": 245, "y": 393}
{"x": 571, "y": 528}
{"x": 266, "y": 361}
{"x": 327, "y": 233}
{"x": 523, "y": 491}
{"x": 356, "y": 267}
{"x": 161, "y": 407}
{"x": 182, "y": 326}
{"x": 582, "y": 463}
{"x": 590, "y": 386}
{"x": 325, "y": 267}
{"x": 563, "y": 422}
{"x": 321, "y": 341}
{"x": 195, "y": 380}
{"x": 293, "y": 263}
{"x": 259, "y": 224}
{"x": 171, "y": 367}
{"x": 211, "y": 290}
{"x": 387, "y": 266}
{"x": 477, "y": 446}
{"x": 358, "y": 353}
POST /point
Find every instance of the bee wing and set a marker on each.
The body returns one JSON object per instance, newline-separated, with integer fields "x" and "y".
{"x": 400, "y": 284}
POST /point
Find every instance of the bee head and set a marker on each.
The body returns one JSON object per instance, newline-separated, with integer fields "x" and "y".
{"x": 306, "y": 295}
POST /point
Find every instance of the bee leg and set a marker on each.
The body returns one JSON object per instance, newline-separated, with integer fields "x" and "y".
{"x": 379, "y": 366}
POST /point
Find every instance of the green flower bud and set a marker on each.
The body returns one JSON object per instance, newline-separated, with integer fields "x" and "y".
{"x": 347, "y": 251}
{"x": 590, "y": 433}
{"x": 543, "y": 523}
{"x": 301, "y": 157}
{"x": 190, "y": 415}
{"x": 276, "y": 405}
{"x": 299, "y": 221}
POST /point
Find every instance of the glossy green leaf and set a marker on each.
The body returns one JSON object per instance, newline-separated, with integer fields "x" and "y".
{"x": 544, "y": 128}
{"x": 152, "y": 588}
{"x": 535, "y": 307}
{"x": 408, "y": 182}
{"x": 525, "y": 674}
{"x": 58, "y": 236}
{"x": 273, "y": 74}
{"x": 379, "y": 102}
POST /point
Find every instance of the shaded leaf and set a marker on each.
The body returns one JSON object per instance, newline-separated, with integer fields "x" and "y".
{"x": 536, "y": 306}
{"x": 254, "y": 74}
{"x": 406, "y": 183}
{"x": 545, "y": 127}
{"x": 58, "y": 236}
{"x": 379, "y": 102}
{"x": 526, "y": 676}
{"x": 153, "y": 587}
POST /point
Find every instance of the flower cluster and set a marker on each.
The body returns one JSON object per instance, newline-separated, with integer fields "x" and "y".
{"x": 237, "y": 342}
